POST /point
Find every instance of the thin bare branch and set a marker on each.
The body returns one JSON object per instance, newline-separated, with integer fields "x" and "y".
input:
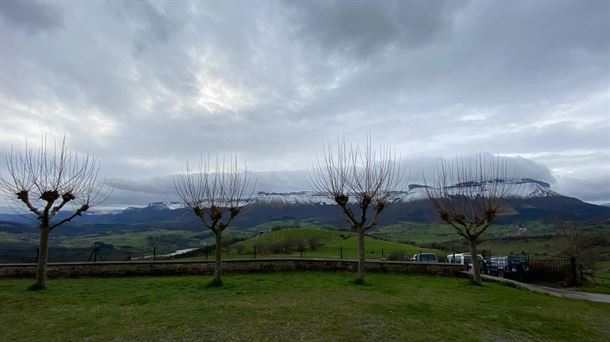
{"x": 468, "y": 194}
{"x": 216, "y": 190}
{"x": 357, "y": 176}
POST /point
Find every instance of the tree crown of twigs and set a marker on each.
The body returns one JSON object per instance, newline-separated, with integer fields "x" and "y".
{"x": 469, "y": 193}
{"x": 371, "y": 177}
{"x": 214, "y": 188}
{"x": 40, "y": 178}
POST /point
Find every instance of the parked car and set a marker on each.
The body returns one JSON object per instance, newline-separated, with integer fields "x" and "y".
{"x": 429, "y": 258}
{"x": 508, "y": 265}
{"x": 465, "y": 259}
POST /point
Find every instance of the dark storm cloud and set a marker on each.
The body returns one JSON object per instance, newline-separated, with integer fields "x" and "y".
{"x": 145, "y": 85}
{"x": 32, "y": 16}
{"x": 362, "y": 29}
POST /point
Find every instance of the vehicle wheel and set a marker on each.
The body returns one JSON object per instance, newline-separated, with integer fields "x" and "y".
{"x": 501, "y": 274}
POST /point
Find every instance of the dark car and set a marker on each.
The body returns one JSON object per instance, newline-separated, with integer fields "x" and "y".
{"x": 509, "y": 265}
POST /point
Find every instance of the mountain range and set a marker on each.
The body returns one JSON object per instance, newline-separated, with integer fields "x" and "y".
{"x": 532, "y": 200}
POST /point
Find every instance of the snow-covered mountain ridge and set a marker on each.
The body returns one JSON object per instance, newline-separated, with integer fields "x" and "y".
{"x": 522, "y": 188}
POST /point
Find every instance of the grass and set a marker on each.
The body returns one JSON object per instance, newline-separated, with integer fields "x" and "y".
{"x": 268, "y": 226}
{"x": 550, "y": 246}
{"x": 333, "y": 241}
{"x": 313, "y": 306}
{"x": 119, "y": 238}
{"x": 601, "y": 281}
{"x": 18, "y": 238}
{"x": 122, "y": 239}
{"x": 416, "y": 232}
{"x": 422, "y": 233}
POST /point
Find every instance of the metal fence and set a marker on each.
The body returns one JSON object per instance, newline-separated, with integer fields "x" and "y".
{"x": 525, "y": 268}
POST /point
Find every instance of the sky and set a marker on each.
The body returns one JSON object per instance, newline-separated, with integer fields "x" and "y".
{"x": 145, "y": 86}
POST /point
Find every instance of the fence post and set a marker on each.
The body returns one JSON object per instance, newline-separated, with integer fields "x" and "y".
{"x": 382, "y": 253}
{"x": 206, "y": 252}
{"x": 341, "y": 253}
{"x": 301, "y": 252}
{"x": 573, "y": 271}
{"x": 254, "y": 251}
{"x": 37, "y": 254}
{"x": 154, "y": 253}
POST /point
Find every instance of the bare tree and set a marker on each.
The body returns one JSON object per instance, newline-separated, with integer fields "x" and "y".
{"x": 216, "y": 194}
{"x": 468, "y": 194}
{"x": 574, "y": 243}
{"x": 361, "y": 181}
{"x": 47, "y": 180}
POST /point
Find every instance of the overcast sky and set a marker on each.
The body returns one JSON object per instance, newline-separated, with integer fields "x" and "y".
{"x": 145, "y": 85}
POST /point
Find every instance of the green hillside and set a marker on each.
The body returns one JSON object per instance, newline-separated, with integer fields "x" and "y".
{"x": 330, "y": 244}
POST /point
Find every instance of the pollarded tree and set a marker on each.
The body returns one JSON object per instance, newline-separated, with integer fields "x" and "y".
{"x": 468, "y": 194}
{"x": 216, "y": 194}
{"x": 47, "y": 181}
{"x": 361, "y": 181}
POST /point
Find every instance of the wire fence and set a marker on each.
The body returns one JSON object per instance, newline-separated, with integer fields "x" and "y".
{"x": 525, "y": 268}
{"x": 103, "y": 252}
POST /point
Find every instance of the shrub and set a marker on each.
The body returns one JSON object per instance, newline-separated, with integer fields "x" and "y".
{"x": 287, "y": 245}
{"x": 240, "y": 248}
{"x": 314, "y": 243}
{"x": 397, "y": 256}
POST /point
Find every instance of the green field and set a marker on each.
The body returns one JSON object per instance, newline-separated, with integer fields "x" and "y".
{"x": 547, "y": 245}
{"x": 600, "y": 282}
{"x": 422, "y": 233}
{"x": 541, "y": 238}
{"x": 334, "y": 244}
{"x": 408, "y": 237}
{"x": 136, "y": 240}
{"x": 314, "y": 306}
{"x": 117, "y": 238}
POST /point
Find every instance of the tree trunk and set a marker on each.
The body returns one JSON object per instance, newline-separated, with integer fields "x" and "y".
{"x": 476, "y": 266}
{"x": 218, "y": 265}
{"x": 361, "y": 254}
{"x": 43, "y": 252}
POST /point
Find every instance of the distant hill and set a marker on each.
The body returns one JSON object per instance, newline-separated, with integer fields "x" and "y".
{"x": 535, "y": 201}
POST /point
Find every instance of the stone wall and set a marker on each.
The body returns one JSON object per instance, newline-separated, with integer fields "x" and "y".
{"x": 172, "y": 267}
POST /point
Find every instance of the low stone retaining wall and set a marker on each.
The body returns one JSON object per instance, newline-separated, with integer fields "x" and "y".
{"x": 172, "y": 267}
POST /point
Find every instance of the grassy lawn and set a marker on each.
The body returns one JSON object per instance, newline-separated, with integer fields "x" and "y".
{"x": 292, "y": 306}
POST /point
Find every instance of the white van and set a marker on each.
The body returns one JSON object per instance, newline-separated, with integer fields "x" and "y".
{"x": 463, "y": 259}
{"x": 428, "y": 258}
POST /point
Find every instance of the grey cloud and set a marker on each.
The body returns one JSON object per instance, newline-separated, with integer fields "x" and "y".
{"x": 32, "y": 16}
{"x": 366, "y": 28}
{"x": 291, "y": 74}
{"x": 596, "y": 189}
{"x": 417, "y": 169}
{"x": 552, "y": 138}
{"x": 145, "y": 190}
{"x": 152, "y": 26}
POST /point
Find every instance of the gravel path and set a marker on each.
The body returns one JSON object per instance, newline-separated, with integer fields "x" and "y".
{"x": 590, "y": 296}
